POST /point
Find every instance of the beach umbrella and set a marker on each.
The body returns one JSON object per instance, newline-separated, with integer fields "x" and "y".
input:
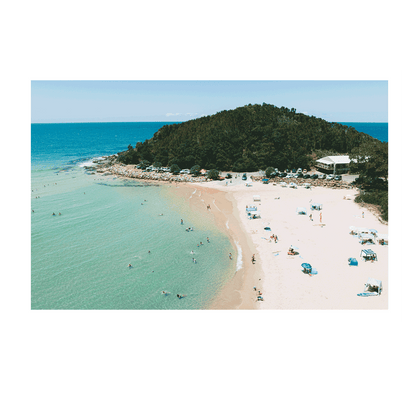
{"x": 372, "y": 231}
{"x": 306, "y": 266}
{"x": 264, "y": 180}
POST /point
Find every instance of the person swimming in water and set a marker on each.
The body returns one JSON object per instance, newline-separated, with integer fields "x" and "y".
{"x": 129, "y": 266}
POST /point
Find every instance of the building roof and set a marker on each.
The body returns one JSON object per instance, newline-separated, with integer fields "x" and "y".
{"x": 328, "y": 160}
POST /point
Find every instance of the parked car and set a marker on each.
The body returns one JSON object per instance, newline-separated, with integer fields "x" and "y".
{"x": 299, "y": 170}
{"x": 298, "y": 175}
{"x": 282, "y": 174}
{"x": 306, "y": 175}
{"x": 290, "y": 175}
{"x": 330, "y": 177}
{"x": 185, "y": 171}
{"x": 322, "y": 176}
{"x": 338, "y": 178}
{"x": 314, "y": 176}
{"x": 244, "y": 177}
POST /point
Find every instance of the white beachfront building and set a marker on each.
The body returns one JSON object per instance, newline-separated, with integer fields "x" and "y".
{"x": 334, "y": 164}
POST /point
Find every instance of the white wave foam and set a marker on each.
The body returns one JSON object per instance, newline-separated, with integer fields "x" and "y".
{"x": 86, "y": 163}
{"x": 226, "y": 224}
{"x": 239, "y": 257}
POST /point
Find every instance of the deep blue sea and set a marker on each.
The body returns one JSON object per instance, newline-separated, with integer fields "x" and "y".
{"x": 80, "y": 255}
{"x": 379, "y": 131}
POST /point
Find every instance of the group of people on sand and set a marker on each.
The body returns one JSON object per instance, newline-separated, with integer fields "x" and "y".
{"x": 292, "y": 252}
{"x": 253, "y": 259}
{"x": 274, "y": 237}
{"x": 259, "y": 294}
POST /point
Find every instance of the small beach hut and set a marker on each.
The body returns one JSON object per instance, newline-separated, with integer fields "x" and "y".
{"x": 256, "y": 198}
{"x": 383, "y": 239}
{"x": 366, "y": 238}
{"x": 373, "y": 287}
{"x": 316, "y": 207}
{"x": 301, "y": 211}
{"x": 368, "y": 255}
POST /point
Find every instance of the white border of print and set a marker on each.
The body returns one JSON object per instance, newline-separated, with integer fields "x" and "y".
{"x": 25, "y": 316}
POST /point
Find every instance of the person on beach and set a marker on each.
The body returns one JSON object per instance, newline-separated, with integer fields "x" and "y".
{"x": 207, "y": 239}
{"x": 148, "y": 252}
{"x": 230, "y": 256}
{"x": 129, "y": 266}
{"x": 320, "y": 216}
{"x": 200, "y": 243}
{"x": 53, "y": 214}
{"x": 192, "y": 252}
{"x": 253, "y": 259}
{"x": 362, "y": 215}
{"x": 310, "y": 217}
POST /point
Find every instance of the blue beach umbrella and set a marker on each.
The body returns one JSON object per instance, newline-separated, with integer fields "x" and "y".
{"x": 306, "y": 266}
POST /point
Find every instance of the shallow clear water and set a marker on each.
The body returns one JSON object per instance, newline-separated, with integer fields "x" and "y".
{"x": 80, "y": 258}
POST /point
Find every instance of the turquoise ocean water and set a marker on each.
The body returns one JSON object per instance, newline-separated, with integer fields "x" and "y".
{"x": 79, "y": 259}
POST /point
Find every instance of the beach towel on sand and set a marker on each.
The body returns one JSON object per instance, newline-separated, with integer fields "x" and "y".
{"x": 365, "y": 294}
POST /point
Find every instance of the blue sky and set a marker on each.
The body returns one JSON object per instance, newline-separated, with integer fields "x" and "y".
{"x": 111, "y": 101}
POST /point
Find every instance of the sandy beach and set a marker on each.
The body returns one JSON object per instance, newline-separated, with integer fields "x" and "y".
{"x": 323, "y": 240}
{"x": 326, "y": 245}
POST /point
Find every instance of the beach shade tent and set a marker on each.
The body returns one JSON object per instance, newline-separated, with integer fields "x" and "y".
{"x": 256, "y": 198}
{"x": 348, "y": 197}
{"x": 293, "y": 185}
{"x": 368, "y": 255}
{"x": 352, "y": 261}
{"x": 383, "y": 239}
{"x": 373, "y": 231}
{"x": 307, "y": 185}
{"x": 301, "y": 211}
{"x": 366, "y": 238}
{"x": 254, "y": 215}
{"x": 316, "y": 207}
{"x": 265, "y": 180}
{"x": 373, "y": 287}
{"x": 284, "y": 184}
{"x": 251, "y": 208}
{"x": 307, "y": 268}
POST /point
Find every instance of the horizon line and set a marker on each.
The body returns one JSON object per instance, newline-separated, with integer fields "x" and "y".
{"x": 166, "y": 121}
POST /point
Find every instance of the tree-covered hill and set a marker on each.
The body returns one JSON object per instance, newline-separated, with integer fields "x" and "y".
{"x": 247, "y": 139}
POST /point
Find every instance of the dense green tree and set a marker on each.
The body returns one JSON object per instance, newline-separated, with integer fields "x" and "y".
{"x": 213, "y": 174}
{"x": 175, "y": 169}
{"x": 195, "y": 170}
{"x": 270, "y": 172}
